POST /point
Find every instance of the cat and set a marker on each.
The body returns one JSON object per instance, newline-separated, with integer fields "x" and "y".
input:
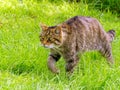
{"x": 74, "y": 36}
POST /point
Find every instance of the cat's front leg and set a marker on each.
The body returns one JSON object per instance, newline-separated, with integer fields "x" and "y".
{"x": 52, "y": 59}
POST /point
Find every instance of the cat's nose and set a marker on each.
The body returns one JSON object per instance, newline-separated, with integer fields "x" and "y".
{"x": 44, "y": 42}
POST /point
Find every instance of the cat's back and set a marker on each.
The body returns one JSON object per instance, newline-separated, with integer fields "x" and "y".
{"x": 81, "y": 20}
{"x": 85, "y": 25}
{"x": 87, "y": 30}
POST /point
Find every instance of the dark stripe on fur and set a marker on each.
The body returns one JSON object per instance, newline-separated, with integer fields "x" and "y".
{"x": 111, "y": 32}
{"x": 56, "y": 57}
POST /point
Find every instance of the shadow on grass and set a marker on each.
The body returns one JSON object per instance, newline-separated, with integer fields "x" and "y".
{"x": 22, "y": 68}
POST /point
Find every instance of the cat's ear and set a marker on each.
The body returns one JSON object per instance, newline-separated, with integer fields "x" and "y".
{"x": 43, "y": 26}
{"x": 65, "y": 28}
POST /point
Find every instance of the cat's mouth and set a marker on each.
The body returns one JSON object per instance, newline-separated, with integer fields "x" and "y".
{"x": 49, "y": 46}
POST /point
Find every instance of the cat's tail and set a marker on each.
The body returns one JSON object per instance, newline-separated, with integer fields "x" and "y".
{"x": 111, "y": 35}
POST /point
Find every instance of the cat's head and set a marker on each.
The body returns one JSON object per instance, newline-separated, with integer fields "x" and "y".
{"x": 51, "y": 37}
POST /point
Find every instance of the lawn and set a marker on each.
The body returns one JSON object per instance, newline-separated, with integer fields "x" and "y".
{"x": 23, "y": 60}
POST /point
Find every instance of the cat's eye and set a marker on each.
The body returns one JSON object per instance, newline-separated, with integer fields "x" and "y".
{"x": 48, "y": 40}
{"x": 57, "y": 31}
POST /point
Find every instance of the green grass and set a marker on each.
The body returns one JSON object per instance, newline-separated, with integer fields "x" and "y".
{"x": 23, "y": 60}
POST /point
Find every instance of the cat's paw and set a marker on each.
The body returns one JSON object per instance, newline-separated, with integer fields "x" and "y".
{"x": 55, "y": 71}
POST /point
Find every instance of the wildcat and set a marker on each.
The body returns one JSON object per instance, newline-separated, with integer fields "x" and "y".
{"x": 74, "y": 36}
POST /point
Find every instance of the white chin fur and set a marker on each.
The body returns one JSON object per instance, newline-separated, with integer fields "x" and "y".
{"x": 50, "y": 46}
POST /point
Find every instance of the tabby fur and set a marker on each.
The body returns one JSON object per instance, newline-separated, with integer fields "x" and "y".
{"x": 74, "y": 36}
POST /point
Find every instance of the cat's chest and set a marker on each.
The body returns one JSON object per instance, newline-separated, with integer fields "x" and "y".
{"x": 63, "y": 50}
{"x": 58, "y": 50}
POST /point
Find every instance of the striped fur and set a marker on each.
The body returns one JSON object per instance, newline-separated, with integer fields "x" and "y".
{"x": 74, "y": 36}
